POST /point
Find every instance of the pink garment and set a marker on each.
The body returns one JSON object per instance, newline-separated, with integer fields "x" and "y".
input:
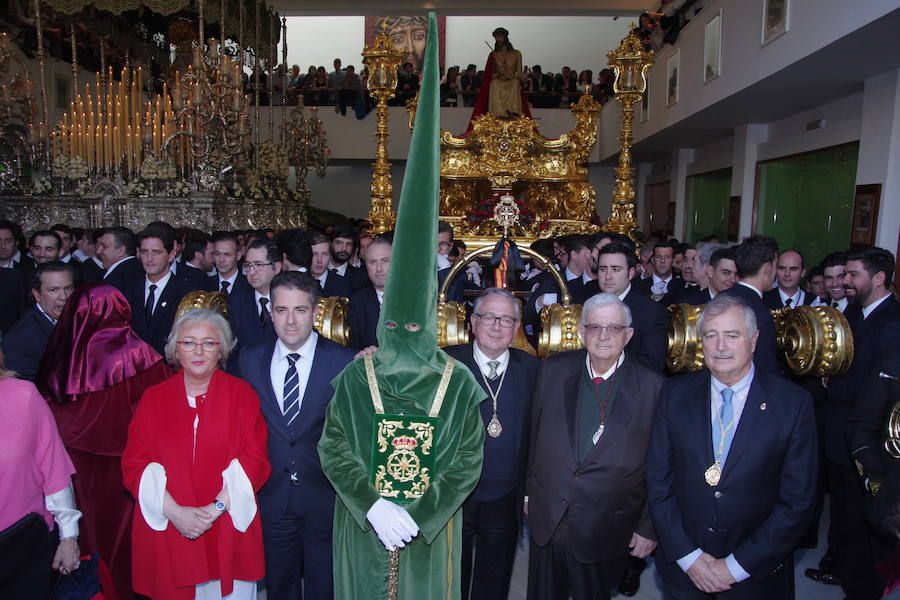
{"x": 33, "y": 460}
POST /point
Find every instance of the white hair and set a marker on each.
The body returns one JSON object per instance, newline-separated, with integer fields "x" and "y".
{"x": 201, "y": 315}
{"x": 721, "y": 304}
{"x": 604, "y": 299}
{"x": 494, "y": 291}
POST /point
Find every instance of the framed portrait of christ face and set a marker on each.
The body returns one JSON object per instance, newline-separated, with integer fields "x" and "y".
{"x": 409, "y": 34}
{"x": 775, "y": 19}
{"x": 672, "y": 78}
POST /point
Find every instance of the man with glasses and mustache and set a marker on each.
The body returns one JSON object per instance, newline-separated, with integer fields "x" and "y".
{"x": 492, "y": 514}
{"x": 591, "y": 417}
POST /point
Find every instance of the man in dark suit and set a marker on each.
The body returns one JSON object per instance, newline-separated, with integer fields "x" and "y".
{"x": 492, "y": 513}
{"x": 250, "y": 310}
{"x": 875, "y": 321}
{"x": 115, "y": 249}
{"x": 24, "y": 345}
{"x": 834, "y": 270}
{"x": 756, "y": 260}
{"x": 731, "y": 472}
{"x": 578, "y": 260}
{"x": 615, "y": 269}
{"x": 227, "y": 255}
{"x": 541, "y": 89}
{"x": 91, "y": 267}
{"x": 788, "y": 294}
{"x": 662, "y": 284}
{"x": 365, "y": 305}
{"x": 344, "y": 241}
{"x": 154, "y": 299}
{"x": 9, "y": 234}
{"x": 197, "y": 259}
{"x": 292, "y": 376}
{"x": 12, "y": 298}
{"x": 591, "y": 416}
{"x": 720, "y": 274}
{"x": 330, "y": 282}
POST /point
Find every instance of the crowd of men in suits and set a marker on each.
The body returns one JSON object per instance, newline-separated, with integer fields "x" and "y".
{"x": 720, "y": 474}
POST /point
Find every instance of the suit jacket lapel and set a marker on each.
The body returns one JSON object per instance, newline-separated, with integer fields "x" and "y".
{"x": 570, "y": 394}
{"x": 267, "y": 399}
{"x": 320, "y": 358}
{"x": 623, "y": 411}
{"x": 752, "y": 418}
{"x": 700, "y": 418}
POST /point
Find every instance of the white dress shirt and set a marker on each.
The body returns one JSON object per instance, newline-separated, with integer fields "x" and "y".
{"x": 482, "y": 359}
{"x": 230, "y": 281}
{"x": 10, "y": 265}
{"x": 658, "y": 285}
{"x": 867, "y": 310}
{"x": 160, "y": 286}
{"x": 797, "y": 299}
{"x": 625, "y": 293}
{"x": 280, "y": 365}
{"x": 116, "y": 264}
{"x": 549, "y": 299}
{"x": 741, "y": 390}
{"x": 256, "y": 297}
{"x": 380, "y": 295}
{"x": 747, "y": 285}
{"x": 341, "y": 270}
{"x": 609, "y": 372}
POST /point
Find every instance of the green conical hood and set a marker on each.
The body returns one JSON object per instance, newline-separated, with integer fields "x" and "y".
{"x": 410, "y": 298}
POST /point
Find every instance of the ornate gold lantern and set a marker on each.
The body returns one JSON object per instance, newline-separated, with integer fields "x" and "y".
{"x": 630, "y": 62}
{"x": 382, "y": 59}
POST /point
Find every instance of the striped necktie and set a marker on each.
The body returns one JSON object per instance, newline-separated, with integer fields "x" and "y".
{"x": 291, "y": 401}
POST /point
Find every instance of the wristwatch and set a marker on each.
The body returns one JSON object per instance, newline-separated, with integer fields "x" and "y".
{"x": 220, "y": 506}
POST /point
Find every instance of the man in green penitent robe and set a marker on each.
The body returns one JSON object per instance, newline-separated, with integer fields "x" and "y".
{"x": 403, "y": 437}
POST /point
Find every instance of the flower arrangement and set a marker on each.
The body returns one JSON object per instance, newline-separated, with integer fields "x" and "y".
{"x": 76, "y": 169}
{"x": 153, "y": 170}
{"x": 60, "y": 165}
{"x": 84, "y": 187}
{"x": 42, "y": 186}
{"x": 273, "y": 160}
{"x": 136, "y": 188}
{"x": 484, "y": 211}
{"x": 180, "y": 189}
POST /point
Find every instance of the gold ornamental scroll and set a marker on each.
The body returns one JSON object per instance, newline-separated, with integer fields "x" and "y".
{"x": 511, "y": 154}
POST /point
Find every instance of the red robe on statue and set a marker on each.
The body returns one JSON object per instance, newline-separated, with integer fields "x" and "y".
{"x": 93, "y": 373}
{"x": 166, "y": 564}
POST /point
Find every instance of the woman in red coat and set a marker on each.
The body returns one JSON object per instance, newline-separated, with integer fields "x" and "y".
{"x": 93, "y": 373}
{"x": 196, "y": 455}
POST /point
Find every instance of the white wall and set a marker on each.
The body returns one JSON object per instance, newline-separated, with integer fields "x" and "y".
{"x": 319, "y": 40}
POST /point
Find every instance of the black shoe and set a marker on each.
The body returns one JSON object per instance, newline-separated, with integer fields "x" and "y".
{"x": 822, "y": 576}
{"x": 630, "y": 583}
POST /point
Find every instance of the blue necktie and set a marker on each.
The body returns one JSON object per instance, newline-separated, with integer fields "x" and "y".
{"x": 291, "y": 402}
{"x": 725, "y": 415}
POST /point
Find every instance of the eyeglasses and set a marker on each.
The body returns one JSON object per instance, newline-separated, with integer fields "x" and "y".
{"x": 489, "y": 319}
{"x": 612, "y": 330}
{"x": 249, "y": 267}
{"x": 444, "y": 244}
{"x": 190, "y": 345}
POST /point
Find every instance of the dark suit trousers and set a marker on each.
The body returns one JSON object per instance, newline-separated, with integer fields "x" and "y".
{"x": 553, "y": 571}
{"x": 292, "y": 544}
{"x": 489, "y": 532}
{"x": 779, "y": 586}
{"x": 857, "y": 546}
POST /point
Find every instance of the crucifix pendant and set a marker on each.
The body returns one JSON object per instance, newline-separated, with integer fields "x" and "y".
{"x": 598, "y": 433}
{"x": 494, "y": 428}
{"x": 713, "y": 474}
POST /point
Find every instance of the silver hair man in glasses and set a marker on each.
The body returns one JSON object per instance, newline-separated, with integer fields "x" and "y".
{"x": 591, "y": 417}
{"x": 492, "y": 514}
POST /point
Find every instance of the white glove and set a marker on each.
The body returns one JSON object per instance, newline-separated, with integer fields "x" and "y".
{"x": 392, "y": 524}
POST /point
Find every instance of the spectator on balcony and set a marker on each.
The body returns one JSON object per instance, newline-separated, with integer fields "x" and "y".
{"x": 541, "y": 87}
{"x": 469, "y": 83}
{"x": 603, "y": 91}
{"x": 307, "y": 87}
{"x": 348, "y": 94}
{"x": 407, "y": 83}
{"x": 335, "y": 84}
{"x": 586, "y": 81}
{"x": 565, "y": 84}
{"x": 450, "y": 88}
{"x": 294, "y": 84}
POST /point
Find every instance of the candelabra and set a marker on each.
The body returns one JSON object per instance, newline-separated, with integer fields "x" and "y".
{"x": 630, "y": 62}
{"x": 382, "y": 60}
{"x": 211, "y": 110}
{"x": 307, "y": 146}
{"x": 21, "y": 139}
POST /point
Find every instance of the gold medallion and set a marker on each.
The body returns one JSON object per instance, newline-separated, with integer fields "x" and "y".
{"x": 713, "y": 474}
{"x": 494, "y": 428}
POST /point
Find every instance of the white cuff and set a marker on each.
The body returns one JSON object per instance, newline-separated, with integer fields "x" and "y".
{"x": 151, "y": 492}
{"x": 737, "y": 571}
{"x": 242, "y": 500}
{"x": 61, "y": 505}
{"x": 685, "y": 562}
